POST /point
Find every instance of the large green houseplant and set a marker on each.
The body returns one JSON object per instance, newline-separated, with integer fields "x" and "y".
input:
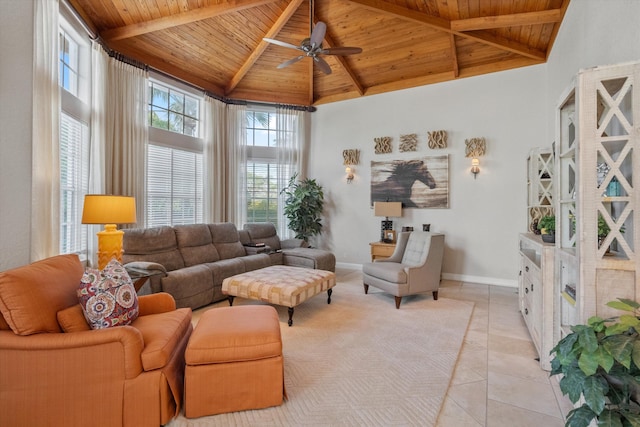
{"x": 303, "y": 206}
{"x": 599, "y": 363}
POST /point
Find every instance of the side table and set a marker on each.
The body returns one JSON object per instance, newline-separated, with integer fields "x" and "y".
{"x": 139, "y": 277}
{"x": 381, "y": 250}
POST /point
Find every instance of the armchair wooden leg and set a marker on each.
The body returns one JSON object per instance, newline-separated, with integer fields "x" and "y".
{"x": 398, "y": 299}
{"x": 435, "y": 295}
{"x": 366, "y": 288}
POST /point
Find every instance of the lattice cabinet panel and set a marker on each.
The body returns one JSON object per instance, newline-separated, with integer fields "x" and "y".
{"x": 540, "y": 172}
{"x": 598, "y": 153}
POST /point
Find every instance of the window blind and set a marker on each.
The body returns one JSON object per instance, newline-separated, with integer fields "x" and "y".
{"x": 174, "y": 186}
{"x": 74, "y": 183}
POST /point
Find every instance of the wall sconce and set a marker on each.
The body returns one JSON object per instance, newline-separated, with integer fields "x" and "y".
{"x": 349, "y": 171}
{"x": 475, "y": 167}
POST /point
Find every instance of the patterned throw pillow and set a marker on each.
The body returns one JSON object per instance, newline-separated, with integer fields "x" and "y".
{"x": 108, "y": 297}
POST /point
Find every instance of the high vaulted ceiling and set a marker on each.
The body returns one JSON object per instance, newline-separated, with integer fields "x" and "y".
{"x": 218, "y": 45}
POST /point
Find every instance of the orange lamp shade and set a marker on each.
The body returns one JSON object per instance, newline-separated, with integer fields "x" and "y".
{"x": 109, "y": 210}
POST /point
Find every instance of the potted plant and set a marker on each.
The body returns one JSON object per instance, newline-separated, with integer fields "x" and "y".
{"x": 303, "y": 207}
{"x": 600, "y": 363}
{"x": 603, "y": 230}
{"x": 547, "y": 226}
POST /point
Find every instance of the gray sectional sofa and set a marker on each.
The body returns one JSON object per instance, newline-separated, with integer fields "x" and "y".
{"x": 191, "y": 261}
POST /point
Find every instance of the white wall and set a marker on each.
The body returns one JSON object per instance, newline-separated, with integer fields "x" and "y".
{"x": 484, "y": 214}
{"x": 16, "y": 43}
{"x": 513, "y": 110}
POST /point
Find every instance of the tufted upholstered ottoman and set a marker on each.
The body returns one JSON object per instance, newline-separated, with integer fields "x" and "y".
{"x": 234, "y": 361}
{"x": 281, "y": 285}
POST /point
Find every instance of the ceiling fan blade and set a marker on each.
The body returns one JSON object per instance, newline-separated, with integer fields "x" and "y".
{"x": 317, "y": 35}
{"x": 341, "y": 51}
{"x": 322, "y": 64}
{"x": 283, "y": 44}
{"x": 291, "y": 61}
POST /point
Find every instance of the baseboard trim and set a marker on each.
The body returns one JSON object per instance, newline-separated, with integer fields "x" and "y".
{"x": 481, "y": 280}
{"x": 450, "y": 276}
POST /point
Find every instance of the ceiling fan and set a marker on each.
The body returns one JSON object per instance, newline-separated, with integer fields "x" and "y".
{"x": 312, "y": 47}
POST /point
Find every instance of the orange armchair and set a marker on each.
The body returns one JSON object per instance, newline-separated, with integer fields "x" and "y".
{"x": 122, "y": 376}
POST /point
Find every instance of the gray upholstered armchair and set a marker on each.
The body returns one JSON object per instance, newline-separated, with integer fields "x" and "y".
{"x": 413, "y": 268}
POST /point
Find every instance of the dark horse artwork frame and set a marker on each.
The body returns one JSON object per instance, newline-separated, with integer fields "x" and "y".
{"x": 417, "y": 183}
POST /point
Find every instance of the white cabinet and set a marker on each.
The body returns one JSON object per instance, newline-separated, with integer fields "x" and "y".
{"x": 536, "y": 293}
{"x": 597, "y": 154}
{"x": 540, "y": 172}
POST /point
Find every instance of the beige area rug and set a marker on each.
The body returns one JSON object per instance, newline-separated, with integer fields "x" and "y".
{"x": 359, "y": 361}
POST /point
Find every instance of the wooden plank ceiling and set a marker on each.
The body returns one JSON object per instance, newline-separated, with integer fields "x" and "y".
{"x": 217, "y": 44}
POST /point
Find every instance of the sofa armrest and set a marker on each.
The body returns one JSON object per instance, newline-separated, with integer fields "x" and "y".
{"x": 293, "y": 243}
{"x": 253, "y": 250}
{"x": 146, "y": 267}
{"x": 160, "y": 302}
{"x": 77, "y": 354}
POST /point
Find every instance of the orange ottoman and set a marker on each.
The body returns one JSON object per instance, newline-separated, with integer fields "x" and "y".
{"x": 234, "y": 361}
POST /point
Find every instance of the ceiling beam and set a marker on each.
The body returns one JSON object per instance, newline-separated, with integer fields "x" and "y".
{"x": 444, "y": 25}
{"x": 506, "y": 44}
{"x": 262, "y": 46}
{"x": 391, "y": 9}
{"x": 454, "y": 56}
{"x": 188, "y": 17}
{"x": 514, "y": 20}
{"x": 328, "y": 40}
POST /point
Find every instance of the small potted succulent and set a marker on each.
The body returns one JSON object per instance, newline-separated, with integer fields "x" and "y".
{"x": 547, "y": 226}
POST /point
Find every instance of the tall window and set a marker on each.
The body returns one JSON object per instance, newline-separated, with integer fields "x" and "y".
{"x": 74, "y": 181}
{"x": 262, "y": 166}
{"x": 69, "y": 59}
{"x": 267, "y": 173}
{"x": 74, "y": 76}
{"x": 174, "y": 157}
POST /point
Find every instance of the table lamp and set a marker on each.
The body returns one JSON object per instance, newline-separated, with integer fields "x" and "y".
{"x": 109, "y": 210}
{"x": 387, "y": 209}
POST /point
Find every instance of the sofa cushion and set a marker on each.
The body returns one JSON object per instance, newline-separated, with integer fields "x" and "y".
{"x": 72, "y": 319}
{"x": 390, "y": 271}
{"x": 156, "y": 244}
{"x": 194, "y": 243}
{"x": 161, "y": 334}
{"x": 32, "y": 295}
{"x": 108, "y": 297}
{"x": 190, "y": 286}
{"x": 226, "y": 240}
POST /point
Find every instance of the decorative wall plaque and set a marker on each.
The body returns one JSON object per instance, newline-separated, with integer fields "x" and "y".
{"x": 351, "y": 157}
{"x": 475, "y": 147}
{"x": 437, "y": 139}
{"x": 408, "y": 142}
{"x": 383, "y": 144}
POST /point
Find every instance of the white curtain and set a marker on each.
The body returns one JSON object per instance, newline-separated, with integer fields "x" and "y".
{"x": 215, "y": 160}
{"x": 126, "y": 133}
{"x": 224, "y": 162}
{"x": 292, "y": 127}
{"x": 237, "y": 137}
{"x": 45, "y": 184}
{"x": 99, "y": 72}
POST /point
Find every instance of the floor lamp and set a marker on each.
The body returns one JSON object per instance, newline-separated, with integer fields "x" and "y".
{"x": 109, "y": 210}
{"x": 387, "y": 209}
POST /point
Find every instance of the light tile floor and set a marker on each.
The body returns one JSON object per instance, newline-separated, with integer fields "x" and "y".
{"x": 497, "y": 381}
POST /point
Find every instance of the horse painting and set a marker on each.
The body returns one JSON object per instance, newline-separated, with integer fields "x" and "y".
{"x": 411, "y": 182}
